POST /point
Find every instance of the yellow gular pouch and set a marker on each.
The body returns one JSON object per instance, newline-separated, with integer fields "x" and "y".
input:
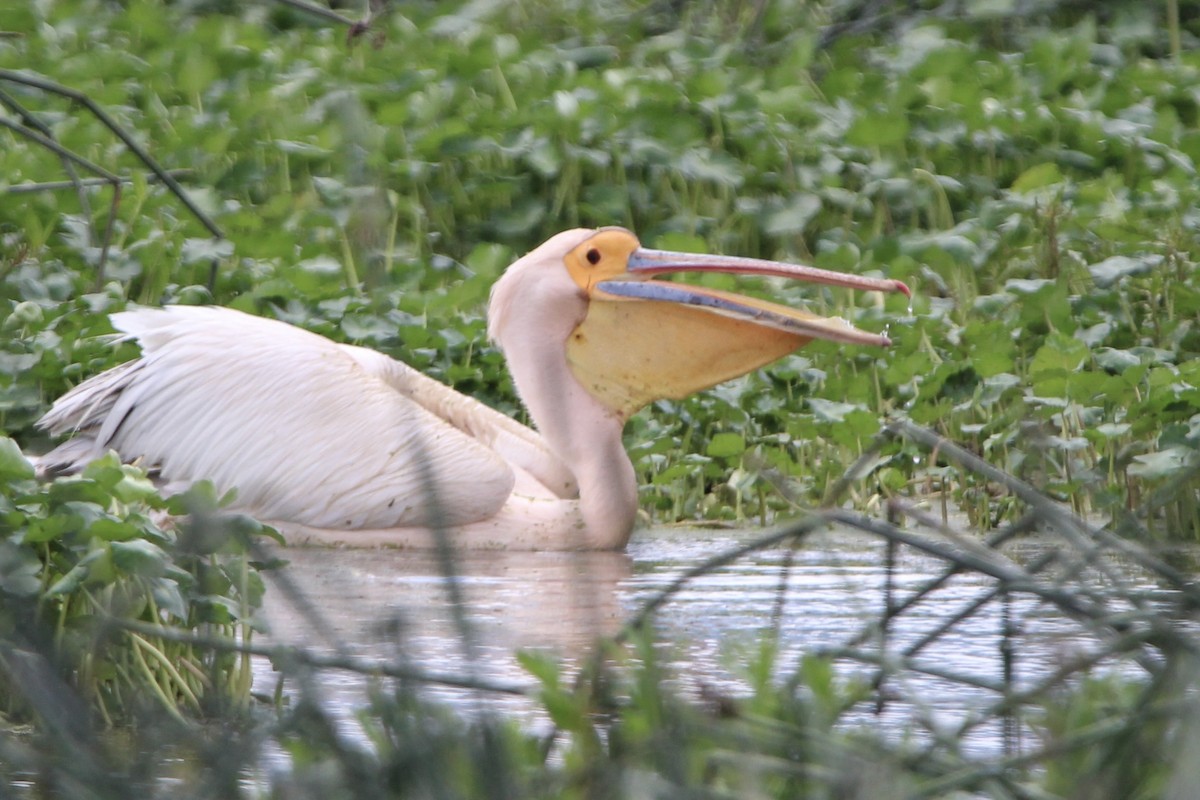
{"x": 630, "y": 352}
{"x": 643, "y": 339}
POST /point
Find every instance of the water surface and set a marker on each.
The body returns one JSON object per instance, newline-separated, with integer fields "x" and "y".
{"x": 827, "y": 594}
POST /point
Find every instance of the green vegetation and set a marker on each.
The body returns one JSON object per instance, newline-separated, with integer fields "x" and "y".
{"x": 1031, "y": 175}
{"x": 1033, "y": 179}
{"x": 83, "y": 556}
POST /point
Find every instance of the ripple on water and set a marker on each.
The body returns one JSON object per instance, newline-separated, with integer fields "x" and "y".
{"x": 395, "y": 605}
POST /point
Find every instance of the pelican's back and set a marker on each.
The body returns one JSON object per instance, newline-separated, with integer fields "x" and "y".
{"x": 300, "y": 427}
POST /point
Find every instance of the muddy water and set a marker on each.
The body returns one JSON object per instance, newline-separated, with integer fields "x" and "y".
{"x": 397, "y": 605}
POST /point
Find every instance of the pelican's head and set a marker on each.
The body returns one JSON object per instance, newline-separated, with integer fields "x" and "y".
{"x": 630, "y": 339}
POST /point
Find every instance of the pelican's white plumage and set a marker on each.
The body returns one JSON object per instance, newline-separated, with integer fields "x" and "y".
{"x": 339, "y": 444}
{"x": 329, "y": 436}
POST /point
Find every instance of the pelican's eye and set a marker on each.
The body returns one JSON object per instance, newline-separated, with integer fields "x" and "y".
{"x": 602, "y": 256}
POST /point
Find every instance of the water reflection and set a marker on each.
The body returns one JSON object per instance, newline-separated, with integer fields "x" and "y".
{"x": 396, "y": 605}
{"x": 375, "y": 601}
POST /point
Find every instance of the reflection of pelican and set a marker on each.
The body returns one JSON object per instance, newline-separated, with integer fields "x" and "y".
{"x": 563, "y": 601}
{"x": 338, "y": 444}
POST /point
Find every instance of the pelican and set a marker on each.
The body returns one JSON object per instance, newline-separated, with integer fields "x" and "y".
{"x": 336, "y": 444}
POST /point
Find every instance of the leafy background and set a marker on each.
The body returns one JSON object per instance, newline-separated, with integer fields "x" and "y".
{"x": 1029, "y": 169}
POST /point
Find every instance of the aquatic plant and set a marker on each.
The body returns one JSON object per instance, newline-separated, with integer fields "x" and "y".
{"x": 1032, "y": 178}
{"x": 80, "y": 558}
{"x": 1029, "y": 171}
{"x": 1113, "y": 716}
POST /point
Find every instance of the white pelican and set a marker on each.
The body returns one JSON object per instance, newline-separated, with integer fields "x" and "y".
{"x": 336, "y": 444}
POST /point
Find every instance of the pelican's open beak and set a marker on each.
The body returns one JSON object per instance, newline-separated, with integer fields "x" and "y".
{"x": 644, "y": 339}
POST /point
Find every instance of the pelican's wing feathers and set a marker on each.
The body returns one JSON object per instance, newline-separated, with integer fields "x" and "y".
{"x": 305, "y": 429}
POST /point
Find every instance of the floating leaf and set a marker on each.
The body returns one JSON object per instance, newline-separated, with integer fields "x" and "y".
{"x": 1163, "y": 463}
{"x": 19, "y": 570}
{"x": 830, "y": 410}
{"x": 139, "y": 557}
{"x": 13, "y": 464}
{"x": 1060, "y": 352}
{"x": 1111, "y": 430}
{"x": 1112, "y": 269}
{"x": 1027, "y": 285}
{"x": 793, "y": 218}
{"x": 726, "y": 445}
{"x": 197, "y": 250}
{"x": 1037, "y": 177}
{"x": 1115, "y": 361}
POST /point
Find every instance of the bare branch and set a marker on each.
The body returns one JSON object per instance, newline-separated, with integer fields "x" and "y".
{"x": 45, "y": 85}
{"x": 283, "y": 655}
{"x": 57, "y": 186}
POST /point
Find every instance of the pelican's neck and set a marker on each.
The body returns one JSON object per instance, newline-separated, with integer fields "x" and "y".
{"x": 531, "y": 315}
{"x": 582, "y": 432}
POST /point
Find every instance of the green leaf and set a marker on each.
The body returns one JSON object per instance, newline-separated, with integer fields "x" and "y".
{"x": 541, "y": 665}
{"x": 97, "y": 563}
{"x": 69, "y": 582}
{"x": 169, "y": 597}
{"x": 19, "y": 570}
{"x": 1060, "y": 352}
{"x": 111, "y": 529}
{"x": 1111, "y": 430}
{"x": 792, "y": 219}
{"x": 47, "y": 529}
{"x": 874, "y": 129}
{"x": 106, "y": 471}
{"x": 302, "y": 149}
{"x": 205, "y": 250}
{"x": 1162, "y": 464}
{"x": 564, "y": 709}
{"x": 13, "y": 464}
{"x": 1037, "y": 177}
{"x": 1115, "y": 361}
{"x": 139, "y": 557}
{"x": 1112, "y": 269}
{"x": 683, "y": 242}
{"x": 726, "y": 445}
{"x": 830, "y": 410}
{"x": 218, "y": 609}
{"x": 862, "y": 423}
{"x": 995, "y": 387}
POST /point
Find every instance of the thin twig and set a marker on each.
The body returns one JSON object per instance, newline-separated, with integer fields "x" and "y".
{"x": 1077, "y": 530}
{"x": 795, "y": 530}
{"x": 286, "y": 655}
{"x": 70, "y": 157}
{"x": 59, "y": 150}
{"x": 1072, "y": 570}
{"x": 1094, "y": 614}
{"x": 874, "y": 14}
{"x": 164, "y": 176}
{"x": 31, "y": 121}
{"x": 57, "y": 186}
{"x": 46, "y": 85}
{"x": 375, "y": 9}
{"x": 895, "y": 663}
